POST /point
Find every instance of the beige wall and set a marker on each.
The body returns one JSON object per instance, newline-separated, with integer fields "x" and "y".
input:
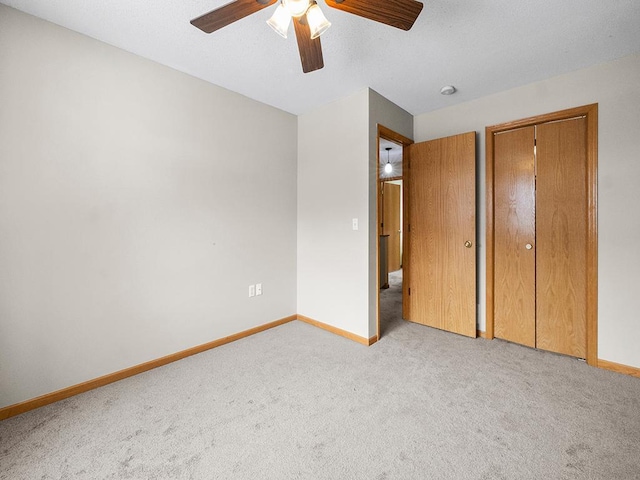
{"x": 337, "y": 160}
{"x": 137, "y": 204}
{"x": 616, "y": 88}
{"x": 333, "y": 189}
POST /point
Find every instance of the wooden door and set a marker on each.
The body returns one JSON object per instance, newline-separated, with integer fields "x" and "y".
{"x": 391, "y": 224}
{"x": 515, "y": 232}
{"x": 442, "y": 232}
{"x": 566, "y": 233}
{"x": 540, "y": 236}
{"x": 561, "y": 232}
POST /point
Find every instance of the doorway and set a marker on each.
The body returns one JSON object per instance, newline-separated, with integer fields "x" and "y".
{"x": 391, "y": 215}
{"x": 391, "y": 208}
{"x": 542, "y": 232}
{"x": 438, "y": 252}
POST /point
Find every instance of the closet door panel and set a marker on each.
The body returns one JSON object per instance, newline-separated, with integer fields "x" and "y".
{"x": 514, "y": 244}
{"x": 561, "y": 233}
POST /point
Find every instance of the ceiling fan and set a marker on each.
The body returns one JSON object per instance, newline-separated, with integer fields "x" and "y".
{"x": 308, "y": 20}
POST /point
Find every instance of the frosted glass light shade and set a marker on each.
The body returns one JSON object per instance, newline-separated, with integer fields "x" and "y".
{"x": 388, "y": 168}
{"x": 296, "y": 8}
{"x": 318, "y": 23}
{"x": 280, "y": 21}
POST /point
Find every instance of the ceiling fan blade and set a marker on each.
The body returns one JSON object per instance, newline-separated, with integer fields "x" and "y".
{"x": 229, "y": 13}
{"x": 310, "y": 50}
{"x": 397, "y": 13}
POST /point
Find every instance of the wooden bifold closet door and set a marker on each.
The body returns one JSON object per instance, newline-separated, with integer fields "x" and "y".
{"x": 515, "y": 236}
{"x": 561, "y": 233}
{"x": 540, "y": 236}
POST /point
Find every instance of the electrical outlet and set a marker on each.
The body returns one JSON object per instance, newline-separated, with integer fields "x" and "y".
{"x": 252, "y": 290}
{"x": 258, "y": 289}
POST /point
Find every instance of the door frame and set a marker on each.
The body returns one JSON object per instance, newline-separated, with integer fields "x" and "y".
{"x": 388, "y": 134}
{"x": 590, "y": 112}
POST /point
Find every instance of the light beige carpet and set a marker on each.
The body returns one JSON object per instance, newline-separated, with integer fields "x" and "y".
{"x": 297, "y": 402}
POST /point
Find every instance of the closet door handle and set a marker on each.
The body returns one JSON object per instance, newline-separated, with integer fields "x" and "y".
{"x": 528, "y": 246}
{"x": 468, "y": 244}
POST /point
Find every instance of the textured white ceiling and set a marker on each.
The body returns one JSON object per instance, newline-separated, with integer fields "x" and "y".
{"x": 480, "y": 46}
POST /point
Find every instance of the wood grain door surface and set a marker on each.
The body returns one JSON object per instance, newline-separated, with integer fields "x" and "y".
{"x": 561, "y": 231}
{"x": 391, "y": 224}
{"x": 540, "y": 236}
{"x": 442, "y": 208}
{"x": 515, "y": 236}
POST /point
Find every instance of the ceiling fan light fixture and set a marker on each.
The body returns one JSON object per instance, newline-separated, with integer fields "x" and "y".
{"x": 296, "y": 8}
{"x": 396, "y": 13}
{"x": 318, "y": 23}
{"x": 280, "y": 21}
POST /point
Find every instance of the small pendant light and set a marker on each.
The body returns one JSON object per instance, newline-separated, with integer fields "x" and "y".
{"x": 388, "y": 168}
